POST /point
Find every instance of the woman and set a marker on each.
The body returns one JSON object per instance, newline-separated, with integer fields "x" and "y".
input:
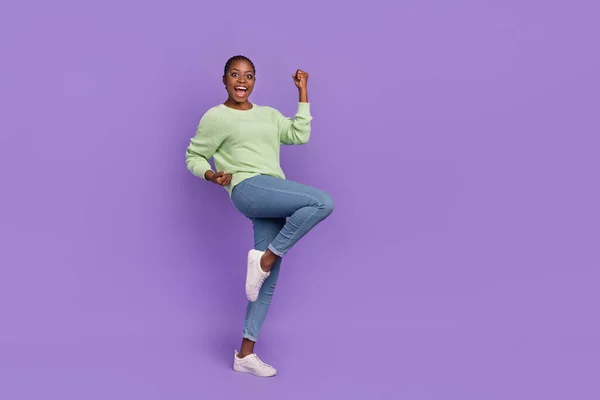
{"x": 244, "y": 139}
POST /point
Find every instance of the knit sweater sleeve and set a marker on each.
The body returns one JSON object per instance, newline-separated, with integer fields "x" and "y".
{"x": 204, "y": 144}
{"x": 293, "y": 131}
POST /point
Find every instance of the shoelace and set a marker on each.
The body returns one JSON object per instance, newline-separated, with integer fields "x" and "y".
{"x": 261, "y": 281}
{"x": 259, "y": 362}
{"x": 262, "y": 278}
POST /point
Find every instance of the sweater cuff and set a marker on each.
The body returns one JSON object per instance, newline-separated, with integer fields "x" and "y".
{"x": 200, "y": 170}
{"x": 303, "y": 109}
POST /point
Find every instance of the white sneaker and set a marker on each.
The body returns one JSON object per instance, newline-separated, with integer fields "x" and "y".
{"x": 252, "y": 365}
{"x": 255, "y": 276}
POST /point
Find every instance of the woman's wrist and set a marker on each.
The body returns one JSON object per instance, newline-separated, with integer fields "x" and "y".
{"x": 303, "y": 95}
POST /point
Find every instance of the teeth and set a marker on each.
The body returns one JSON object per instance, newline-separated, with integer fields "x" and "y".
{"x": 240, "y": 88}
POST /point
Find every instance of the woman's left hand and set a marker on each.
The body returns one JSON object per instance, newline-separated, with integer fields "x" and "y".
{"x": 300, "y": 79}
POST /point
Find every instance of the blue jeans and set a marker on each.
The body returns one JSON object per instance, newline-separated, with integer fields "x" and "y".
{"x": 282, "y": 212}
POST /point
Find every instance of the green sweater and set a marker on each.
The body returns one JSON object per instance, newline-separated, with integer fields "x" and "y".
{"x": 245, "y": 143}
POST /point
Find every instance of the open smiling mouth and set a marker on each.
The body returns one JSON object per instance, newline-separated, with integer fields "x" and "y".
{"x": 240, "y": 91}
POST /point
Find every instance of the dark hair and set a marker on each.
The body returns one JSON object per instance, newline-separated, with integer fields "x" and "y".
{"x": 237, "y": 58}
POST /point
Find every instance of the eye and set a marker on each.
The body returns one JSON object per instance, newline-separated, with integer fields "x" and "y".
{"x": 249, "y": 76}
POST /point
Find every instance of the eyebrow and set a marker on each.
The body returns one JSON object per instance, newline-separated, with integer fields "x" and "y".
{"x": 235, "y": 69}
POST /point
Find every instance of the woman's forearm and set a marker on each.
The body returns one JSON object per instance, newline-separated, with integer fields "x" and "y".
{"x": 303, "y": 95}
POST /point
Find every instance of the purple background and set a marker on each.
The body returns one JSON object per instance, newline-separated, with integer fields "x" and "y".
{"x": 459, "y": 140}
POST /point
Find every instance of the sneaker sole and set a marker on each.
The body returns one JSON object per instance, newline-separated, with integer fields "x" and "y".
{"x": 247, "y": 371}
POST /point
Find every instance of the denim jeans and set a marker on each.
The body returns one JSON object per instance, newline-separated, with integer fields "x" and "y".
{"x": 282, "y": 212}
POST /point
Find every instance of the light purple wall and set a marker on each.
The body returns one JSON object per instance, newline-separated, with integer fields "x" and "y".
{"x": 458, "y": 139}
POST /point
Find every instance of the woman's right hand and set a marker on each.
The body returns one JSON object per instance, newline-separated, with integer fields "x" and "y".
{"x": 221, "y": 178}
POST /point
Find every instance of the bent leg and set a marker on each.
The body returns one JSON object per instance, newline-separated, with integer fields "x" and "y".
{"x": 269, "y": 197}
{"x": 265, "y": 231}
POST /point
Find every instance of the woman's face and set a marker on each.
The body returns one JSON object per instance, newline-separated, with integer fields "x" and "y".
{"x": 239, "y": 81}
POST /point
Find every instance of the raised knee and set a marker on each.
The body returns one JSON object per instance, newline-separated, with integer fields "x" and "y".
{"x": 327, "y": 204}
